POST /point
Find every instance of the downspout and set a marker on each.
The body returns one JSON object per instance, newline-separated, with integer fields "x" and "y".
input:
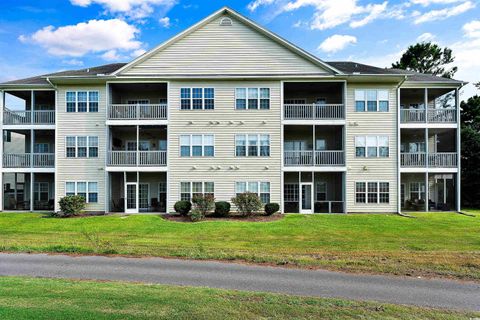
{"x": 50, "y": 82}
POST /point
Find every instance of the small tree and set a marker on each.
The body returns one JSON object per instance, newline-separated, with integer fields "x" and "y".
{"x": 202, "y": 204}
{"x": 71, "y": 205}
{"x": 247, "y": 203}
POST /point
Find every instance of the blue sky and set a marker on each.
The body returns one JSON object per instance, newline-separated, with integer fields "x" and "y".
{"x": 44, "y": 36}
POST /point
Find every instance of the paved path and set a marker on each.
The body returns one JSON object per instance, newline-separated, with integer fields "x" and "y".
{"x": 401, "y": 290}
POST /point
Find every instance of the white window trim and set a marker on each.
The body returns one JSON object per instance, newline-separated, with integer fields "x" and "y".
{"x": 191, "y": 188}
{"x": 366, "y": 99}
{"x": 139, "y": 142}
{"x": 259, "y": 183}
{"x": 191, "y": 98}
{"x": 419, "y": 192}
{"x": 366, "y": 147}
{"x": 75, "y": 182}
{"x": 258, "y": 98}
{"x": 41, "y": 143}
{"x": 247, "y": 145}
{"x": 76, "y": 147}
{"x": 158, "y": 190}
{"x": 148, "y": 197}
{"x": 88, "y": 100}
{"x": 191, "y": 145}
{"x": 316, "y": 190}
{"x": 38, "y": 190}
{"x": 366, "y": 192}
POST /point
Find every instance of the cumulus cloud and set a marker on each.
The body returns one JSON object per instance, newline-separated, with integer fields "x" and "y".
{"x": 442, "y": 14}
{"x": 336, "y": 43}
{"x": 252, "y": 6}
{"x": 73, "y": 62}
{"x": 426, "y": 3}
{"x": 94, "y": 36}
{"x": 135, "y": 9}
{"x": 472, "y": 29}
{"x": 165, "y": 22}
{"x": 425, "y": 37}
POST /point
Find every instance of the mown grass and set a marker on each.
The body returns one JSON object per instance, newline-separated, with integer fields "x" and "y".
{"x": 433, "y": 244}
{"x": 26, "y": 298}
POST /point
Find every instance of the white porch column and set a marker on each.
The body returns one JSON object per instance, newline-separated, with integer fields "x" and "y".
{"x": 137, "y": 153}
{"x": 426, "y": 104}
{"x": 459, "y": 150}
{"x": 399, "y": 138}
{"x": 31, "y": 191}
{"x": 314, "y": 147}
{"x": 427, "y": 160}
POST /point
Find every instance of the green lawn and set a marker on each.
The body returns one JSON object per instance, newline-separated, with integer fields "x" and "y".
{"x": 434, "y": 244}
{"x": 26, "y": 298}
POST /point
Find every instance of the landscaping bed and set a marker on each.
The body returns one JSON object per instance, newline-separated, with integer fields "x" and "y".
{"x": 231, "y": 217}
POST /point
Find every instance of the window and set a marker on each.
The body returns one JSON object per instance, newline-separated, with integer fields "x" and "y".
{"x": 40, "y": 148}
{"x": 139, "y": 101}
{"x": 82, "y": 101}
{"x": 417, "y": 191}
{"x": 81, "y": 147}
{"x": 372, "y": 192}
{"x": 321, "y": 191}
{"x": 295, "y": 101}
{"x": 40, "y": 191}
{"x": 190, "y": 189}
{"x": 261, "y": 188}
{"x": 197, "y": 145}
{"x": 291, "y": 192}
{"x": 252, "y": 98}
{"x": 372, "y": 146}
{"x": 371, "y": 100}
{"x": 197, "y": 98}
{"x": 252, "y": 145}
{"x": 88, "y": 190}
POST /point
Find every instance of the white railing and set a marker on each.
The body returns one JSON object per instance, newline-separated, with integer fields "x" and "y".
{"x": 328, "y": 206}
{"x": 329, "y": 158}
{"x": 131, "y": 158}
{"x": 314, "y": 111}
{"x": 417, "y": 159}
{"x": 24, "y": 160}
{"x": 298, "y": 158}
{"x": 137, "y": 112}
{"x": 43, "y": 160}
{"x": 28, "y": 117}
{"x": 412, "y": 115}
{"x": 442, "y": 115}
{"x": 442, "y": 160}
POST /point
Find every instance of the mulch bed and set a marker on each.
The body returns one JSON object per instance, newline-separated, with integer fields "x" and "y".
{"x": 180, "y": 218}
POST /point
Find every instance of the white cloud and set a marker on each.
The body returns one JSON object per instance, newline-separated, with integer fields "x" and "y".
{"x": 73, "y": 62}
{"x": 336, "y": 43}
{"x": 94, "y": 36}
{"x": 252, "y": 6}
{"x": 445, "y": 13}
{"x": 165, "y": 22}
{"x": 426, "y": 3}
{"x": 375, "y": 10}
{"x": 138, "y": 53}
{"x": 472, "y": 29}
{"x": 135, "y": 9}
{"x": 425, "y": 37}
{"x": 111, "y": 55}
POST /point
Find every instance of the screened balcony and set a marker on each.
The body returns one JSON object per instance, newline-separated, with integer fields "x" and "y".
{"x": 29, "y": 108}
{"x": 441, "y": 105}
{"x": 28, "y": 149}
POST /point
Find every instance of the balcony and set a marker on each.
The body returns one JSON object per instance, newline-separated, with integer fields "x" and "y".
{"x": 45, "y": 117}
{"x": 314, "y": 158}
{"x": 27, "y": 107}
{"x": 27, "y": 160}
{"x": 314, "y": 111}
{"x": 137, "y": 112}
{"x": 434, "y": 115}
{"x": 441, "y": 106}
{"x": 137, "y": 158}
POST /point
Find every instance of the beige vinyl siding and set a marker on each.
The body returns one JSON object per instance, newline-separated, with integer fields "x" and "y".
{"x": 230, "y": 50}
{"x": 377, "y": 169}
{"x": 81, "y": 124}
{"x": 249, "y": 168}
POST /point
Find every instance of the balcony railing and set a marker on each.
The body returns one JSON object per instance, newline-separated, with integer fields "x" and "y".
{"x": 137, "y": 159}
{"x": 435, "y": 160}
{"x": 25, "y": 160}
{"x": 28, "y": 117}
{"x": 314, "y": 111}
{"x": 137, "y": 112}
{"x": 314, "y": 158}
{"x": 447, "y": 115}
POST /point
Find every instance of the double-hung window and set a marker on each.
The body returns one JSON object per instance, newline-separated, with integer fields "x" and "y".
{"x": 371, "y": 100}
{"x": 372, "y": 192}
{"x": 260, "y": 188}
{"x": 252, "y": 145}
{"x": 82, "y": 101}
{"x": 321, "y": 191}
{"x": 417, "y": 190}
{"x": 40, "y": 191}
{"x": 81, "y": 146}
{"x": 252, "y": 98}
{"x": 86, "y": 189}
{"x": 372, "y": 146}
{"x": 188, "y": 190}
{"x": 197, "y": 145}
{"x": 197, "y": 98}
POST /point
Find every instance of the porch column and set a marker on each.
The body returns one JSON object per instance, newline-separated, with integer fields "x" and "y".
{"x": 459, "y": 150}
{"x": 32, "y": 105}
{"x": 426, "y": 104}
{"x": 31, "y": 191}
{"x": 427, "y": 160}
{"x": 15, "y": 190}
{"x": 427, "y": 192}
{"x": 314, "y": 147}
{"x": 399, "y": 176}
{"x": 2, "y": 106}
{"x": 32, "y": 138}
{"x": 137, "y": 153}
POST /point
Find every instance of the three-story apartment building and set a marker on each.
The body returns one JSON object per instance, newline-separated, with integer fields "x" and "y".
{"x": 226, "y": 107}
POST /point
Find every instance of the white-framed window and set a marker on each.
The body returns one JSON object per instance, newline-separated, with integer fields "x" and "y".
{"x": 291, "y": 192}
{"x": 261, "y": 188}
{"x": 252, "y": 145}
{"x": 197, "y": 145}
{"x": 41, "y": 191}
{"x": 197, "y": 98}
{"x": 189, "y": 189}
{"x": 372, "y": 147}
{"x": 371, "y": 100}
{"x": 372, "y": 192}
{"x": 41, "y": 148}
{"x": 252, "y": 98}
{"x": 417, "y": 190}
{"x": 86, "y": 189}
{"x": 82, "y": 101}
{"x": 81, "y": 146}
{"x": 321, "y": 191}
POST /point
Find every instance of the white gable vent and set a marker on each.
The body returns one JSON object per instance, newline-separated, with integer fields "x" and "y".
{"x": 226, "y": 22}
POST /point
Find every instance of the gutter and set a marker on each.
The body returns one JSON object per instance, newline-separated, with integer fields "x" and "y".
{"x": 401, "y": 82}
{"x": 48, "y": 80}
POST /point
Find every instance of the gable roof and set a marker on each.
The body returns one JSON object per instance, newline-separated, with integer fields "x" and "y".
{"x": 226, "y": 10}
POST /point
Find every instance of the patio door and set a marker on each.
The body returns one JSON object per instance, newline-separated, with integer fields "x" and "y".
{"x": 143, "y": 196}
{"x": 306, "y": 197}
{"x": 131, "y": 197}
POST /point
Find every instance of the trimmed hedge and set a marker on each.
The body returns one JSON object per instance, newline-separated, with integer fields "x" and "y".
{"x": 222, "y": 209}
{"x": 271, "y": 208}
{"x": 183, "y": 207}
{"x": 71, "y": 206}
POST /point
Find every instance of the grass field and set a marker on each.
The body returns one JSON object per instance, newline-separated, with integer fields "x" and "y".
{"x": 26, "y": 298}
{"x": 433, "y": 244}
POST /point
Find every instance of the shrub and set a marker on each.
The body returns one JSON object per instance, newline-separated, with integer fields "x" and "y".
{"x": 182, "y": 207}
{"x": 196, "y": 215}
{"x": 222, "y": 209}
{"x": 71, "y": 206}
{"x": 203, "y": 203}
{"x": 247, "y": 203}
{"x": 271, "y": 208}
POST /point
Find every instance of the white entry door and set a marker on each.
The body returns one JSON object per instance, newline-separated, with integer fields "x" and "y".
{"x": 131, "y": 197}
{"x": 306, "y": 197}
